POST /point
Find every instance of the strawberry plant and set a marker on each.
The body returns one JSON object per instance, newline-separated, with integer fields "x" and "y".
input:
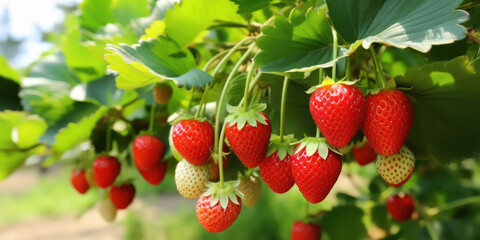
{"x": 299, "y": 96}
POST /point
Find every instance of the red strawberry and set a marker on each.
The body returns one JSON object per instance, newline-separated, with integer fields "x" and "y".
{"x": 396, "y": 169}
{"x": 276, "y": 169}
{"x": 213, "y": 169}
{"x": 388, "y": 121}
{"x": 315, "y": 169}
{"x": 147, "y": 152}
{"x": 194, "y": 140}
{"x": 306, "y": 231}
{"x": 249, "y": 138}
{"x": 122, "y": 195}
{"x": 364, "y": 154}
{"x": 401, "y": 207}
{"x": 79, "y": 181}
{"x": 105, "y": 170}
{"x": 216, "y": 218}
{"x": 338, "y": 111}
{"x": 156, "y": 174}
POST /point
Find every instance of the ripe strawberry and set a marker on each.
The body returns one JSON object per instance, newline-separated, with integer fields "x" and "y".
{"x": 105, "y": 171}
{"x": 213, "y": 168}
{"x": 315, "y": 169}
{"x": 396, "y": 169}
{"x": 162, "y": 93}
{"x": 338, "y": 111}
{"x": 401, "y": 207}
{"x": 216, "y": 218}
{"x": 107, "y": 210}
{"x": 156, "y": 174}
{"x": 194, "y": 140}
{"x": 306, "y": 231}
{"x": 190, "y": 179}
{"x": 79, "y": 181}
{"x": 122, "y": 195}
{"x": 248, "y": 138}
{"x": 276, "y": 169}
{"x": 251, "y": 187}
{"x": 147, "y": 151}
{"x": 388, "y": 121}
{"x": 364, "y": 154}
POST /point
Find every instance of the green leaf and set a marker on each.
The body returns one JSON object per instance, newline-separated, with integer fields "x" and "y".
{"x": 190, "y": 19}
{"x": 101, "y": 91}
{"x": 334, "y": 222}
{"x": 19, "y": 133}
{"x": 155, "y": 60}
{"x": 7, "y": 72}
{"x": 446, "y": 97}
{"x": 125, "y": 11}
{"x": 73, "y": 135}
{"x": 416, "y": 24}
{"x": 96, "y": 14}
{"x": 249, "y": 6}
{"x": 46, "y": 90}
{"x": 301, "y": 43}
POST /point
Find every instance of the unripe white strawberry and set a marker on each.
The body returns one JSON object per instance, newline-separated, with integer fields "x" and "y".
{"x": 190, "y": 179}
{"x": 251, "y": 187}
{"x": 396, "y": 169}
{"x": 107, "y": 209}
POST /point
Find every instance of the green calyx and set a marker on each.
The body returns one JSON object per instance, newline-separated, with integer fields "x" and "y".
{"x": 313, "y": 145}
{"x": 390, "y": 85}
{"x": 328, "y": 81}
{"x": 179, "y": 116}
{"x": 240, "y": 116}
{"x": 222, "y": 192}
{"x": 283, "y": 147}
{"x": 215, "y": 156}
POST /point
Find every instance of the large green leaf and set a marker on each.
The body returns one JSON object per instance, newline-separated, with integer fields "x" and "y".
{"x": 19, "y": 134}
{"x": 301, "y": 43}
{"x": 46, "y": 90}
{"x": 446, "y": 98}
{"x": 190, "y": 18}
{"x": 416, "y": 24}
{"x": 7, "y": 72}
{"x": 73, "y": 135}
{"x": 155, "y": 60}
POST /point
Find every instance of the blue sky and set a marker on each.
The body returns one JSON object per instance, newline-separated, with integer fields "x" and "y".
{"x": 27, "y": 20}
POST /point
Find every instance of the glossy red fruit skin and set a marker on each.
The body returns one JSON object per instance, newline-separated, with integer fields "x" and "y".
{"x": 305, "y": 231}
{"x": 156, "y": 174}
{"x": 122, "y": 196}
{"x": 216, "y": 219}
{"x": 250, "y": 143}
{"x": 389, "y": 118}
{"x": 338, "y": 111}
{"x": 364, "y": 154}
{"x": 78, "y": 180}
{"x": 105, "y": 171}
{"x": 194, "y": 140}
{"x": 401, "y": 207}
{"x": 147, "y": 151}
{"x": 277, "y": 174}
{"x": 314, "y": 175}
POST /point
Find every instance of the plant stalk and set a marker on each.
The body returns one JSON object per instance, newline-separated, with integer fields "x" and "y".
{"x": 282, "y": 107}
{"x": 335, "y": 54}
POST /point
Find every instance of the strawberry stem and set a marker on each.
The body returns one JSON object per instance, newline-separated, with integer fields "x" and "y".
{"x": 307, "y": 205}
{"x": 152, "y": 117}
{"x": 348, "y": 69}
{"x": 335, "y": 53}
{"x": 378, "y": 69}
{"x": 455, "y": 204}
{"x": 252, "y": 84}
{"x": 320, "y": 75}
{"x": 247, "y": 85}
{"x": 282, "y": 108}
{"x": 218, "y": 145}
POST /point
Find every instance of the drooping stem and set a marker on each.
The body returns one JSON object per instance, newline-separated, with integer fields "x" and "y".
{"x": 252, "y": 84}
{"x": 428, "y": 222}
{"x": 378, "y": 69}
{"x": 282, "y": 107}
{"x": 247, "y": 85}
{"x": 335, "y": 54}
{"x": 307, "y": 205}
{"x": 455, "y": 204}
{"x": 348, "y": 70}
{"x": 218, "y": 145}
{"x": 152, "y": 117}
{"x": 320, "y": 75}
